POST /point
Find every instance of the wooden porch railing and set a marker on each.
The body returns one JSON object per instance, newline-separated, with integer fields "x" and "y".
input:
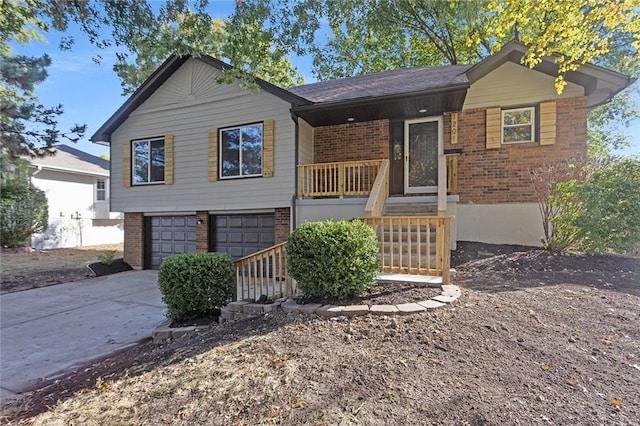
{"x": 414, "y": 244}
{"x": 264, "y": 273}
{"x": 452, "y": 173}
{"x": 379, "y": 192}
{"x": 349, "y": 178}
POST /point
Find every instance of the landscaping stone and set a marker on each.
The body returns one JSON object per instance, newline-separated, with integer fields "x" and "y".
{"x": 410, "y": 308}
{"x": 253, "y": 308}
{"x": 431, "y": 304}
{"x": 329, "y": 311}
{"x": 353, "y": 310}
{"x": 226, "y": 313}
{"x": 309, "y": 309}
{"x": 451, "y": 290}
{"x": 289, "y": 306}
{"x": 445, "y": 299}
{"x": 383, "y": 309}
{"x": 237, "y": 306}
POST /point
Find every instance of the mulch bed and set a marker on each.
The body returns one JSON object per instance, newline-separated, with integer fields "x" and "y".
{"x": 100, "y": 269}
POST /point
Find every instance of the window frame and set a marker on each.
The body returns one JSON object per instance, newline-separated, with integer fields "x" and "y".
{"x": 101, "y": 190}
{"x": 533, "y": 124}
{"x": 133, "y": 161}
{"x": 240, "y": 162}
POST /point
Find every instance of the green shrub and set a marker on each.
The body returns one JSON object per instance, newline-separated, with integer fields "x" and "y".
{"x": 107, "y": 257}
{"x": 333, "y": 259}
{"x": 23, "y": 212}
{"x": 196, "y": 284}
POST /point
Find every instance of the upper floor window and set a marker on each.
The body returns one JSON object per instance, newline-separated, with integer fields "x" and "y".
{"x": 241, "y": 151}
{"x": 518, "y": 125}
{"x": 147, "y": 159}
{"x": 101, "y": 190}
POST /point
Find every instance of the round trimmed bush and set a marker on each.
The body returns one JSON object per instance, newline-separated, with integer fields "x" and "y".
{"x": 196, "y": 284}
{"x": 333, "y": 259}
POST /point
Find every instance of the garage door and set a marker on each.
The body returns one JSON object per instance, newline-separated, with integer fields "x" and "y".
{"x": 242, "y": 235}
{"x": 171, "y": 235}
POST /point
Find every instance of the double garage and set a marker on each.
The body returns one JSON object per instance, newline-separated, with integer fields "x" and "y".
{"x": 238, "y": 235}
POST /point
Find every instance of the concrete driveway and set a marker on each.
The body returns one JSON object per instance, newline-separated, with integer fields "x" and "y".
{"x": 45, "y": 331}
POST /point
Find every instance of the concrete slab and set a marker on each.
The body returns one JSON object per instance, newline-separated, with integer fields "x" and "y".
{"x": 48, "y": 330}
{"x": 421, "y": 279}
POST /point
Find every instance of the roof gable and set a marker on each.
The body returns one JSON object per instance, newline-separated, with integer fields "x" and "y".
{"x": 159, "y": 77}
{"x": 600, "y": 84}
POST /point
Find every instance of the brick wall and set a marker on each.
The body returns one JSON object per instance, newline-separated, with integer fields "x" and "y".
{"x": 282, "y": 225}
{"x": 351, "y": 142}
{"x": 202, "y": 232}
{"x": 491, "y": 176}
{"x": 134, "y": 239}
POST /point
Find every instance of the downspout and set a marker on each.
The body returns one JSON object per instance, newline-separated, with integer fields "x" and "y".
{"x": 39, "y": 169}
{"x": 296, "y": 142}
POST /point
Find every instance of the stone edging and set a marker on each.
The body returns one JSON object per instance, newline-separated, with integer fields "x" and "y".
{"x": 163, "y": 332}
{"x": 239, "y": 310}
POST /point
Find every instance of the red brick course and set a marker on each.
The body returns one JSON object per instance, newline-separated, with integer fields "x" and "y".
{"x": 282, "y": 224}
{"x": 134, "y": 239}
{"x": 202, "y": 232}
{"x": 351, "y": 142}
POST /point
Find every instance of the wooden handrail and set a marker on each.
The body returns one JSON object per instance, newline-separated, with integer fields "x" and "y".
{"x": 414, "y": 244}
{"x": 379, "y": 192}
{"x": 337, "y": 179}
{"x": 264, "y": 273}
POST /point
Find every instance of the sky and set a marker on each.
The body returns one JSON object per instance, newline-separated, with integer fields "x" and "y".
{"x": 90, "y": 93}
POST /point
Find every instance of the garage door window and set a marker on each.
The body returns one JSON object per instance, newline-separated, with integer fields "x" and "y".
{"x": 241, "y": 151}
{"x": 148, "y": 161}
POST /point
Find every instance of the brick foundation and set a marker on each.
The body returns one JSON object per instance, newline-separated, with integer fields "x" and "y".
{"x": 134, "y": 239}
{"x": 202, "y": 232}
{"x": 282, "y": 224}
{"x": 351, "y": 142}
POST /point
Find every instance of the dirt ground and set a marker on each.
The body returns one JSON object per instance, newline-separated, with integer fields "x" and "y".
{"x": 535, "y": 339}
{"x": 22, "y": 269}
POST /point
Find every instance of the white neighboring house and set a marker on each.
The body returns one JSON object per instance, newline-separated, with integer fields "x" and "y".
{"x": 77, "y": 187}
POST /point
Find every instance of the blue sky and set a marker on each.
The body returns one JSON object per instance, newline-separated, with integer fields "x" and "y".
{"x": 91, "y": 92}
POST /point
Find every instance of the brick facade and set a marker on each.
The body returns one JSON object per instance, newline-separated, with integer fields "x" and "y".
{"x": 202, "y": 232}
{"x": 134, "y": 239}
{"x": 351, "y": 142}
{"x": 283, "y": 224}
{"x": 490, "y": 176}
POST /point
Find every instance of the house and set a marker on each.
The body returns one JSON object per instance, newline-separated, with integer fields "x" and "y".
{"x": 444, "y": 151}
{"x": 77, "y": 189}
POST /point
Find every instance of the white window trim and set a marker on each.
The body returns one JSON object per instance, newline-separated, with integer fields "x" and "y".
{"x": 133, "y": 160}
{"x": 240, "y": 176}
{"x": 532, "y": 124}
{"x": 104, "y": 180}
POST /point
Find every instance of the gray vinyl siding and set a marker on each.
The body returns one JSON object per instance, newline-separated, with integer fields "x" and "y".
{"x": 187, "y": 108}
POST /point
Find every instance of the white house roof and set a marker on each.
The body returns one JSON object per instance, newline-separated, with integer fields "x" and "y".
{"x": 68, "y": 159}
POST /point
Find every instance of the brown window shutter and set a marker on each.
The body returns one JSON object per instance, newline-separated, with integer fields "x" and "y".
{"x": 213, "y": 155}
{"x": 126, "y": 164}
{"x": 547, "y": 123}
{"x": 168, "y": 159}
{"x": 267, "y": 148}
{"x": 494, "y": 128}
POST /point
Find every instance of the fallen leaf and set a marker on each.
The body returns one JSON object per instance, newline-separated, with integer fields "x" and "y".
{"x": 545, "y": 367}
{"x": 616, "y": 403}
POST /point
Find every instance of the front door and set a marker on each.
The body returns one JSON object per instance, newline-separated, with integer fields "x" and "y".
{"x": 422, "y": 145}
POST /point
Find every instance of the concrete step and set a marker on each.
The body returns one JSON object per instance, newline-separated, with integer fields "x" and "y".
{"x": 410, "y": 209}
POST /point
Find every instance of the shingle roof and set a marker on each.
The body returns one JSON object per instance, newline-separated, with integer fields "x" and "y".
{"x": 393, "y": 82}
{"x": 73, "y": 160}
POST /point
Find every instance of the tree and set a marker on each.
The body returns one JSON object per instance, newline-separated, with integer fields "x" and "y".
{"x": 23, "y": 207}
{"x": 382, "y": 34}
{"x": 26, "y": 126}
